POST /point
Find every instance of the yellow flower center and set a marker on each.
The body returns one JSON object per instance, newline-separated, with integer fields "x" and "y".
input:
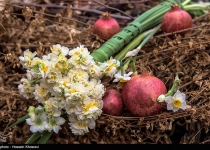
{"x": 50, "y": 108}
{"x": 65, "y": 84}
{"x": 53, "y": 76}
{"x": 90, "y": 105}
{"x": 59, "y": 50}
{"x": 45, "y": 68}
{"x": 177, "y": 103}
{"x": 122, "y": 80}
{"x": 29, "y": 63}
{"x": 41, "y": 91}
{"x": 109, "y": 68}
{"x": 73, "y": 90}
{"x": 28, "y": 56}
{"x": 53, "y": 48}
{"x": 80, "y": 124}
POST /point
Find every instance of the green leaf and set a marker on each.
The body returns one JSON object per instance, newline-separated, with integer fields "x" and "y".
{"x": 33, "y": 138}
{"x": 19, "y": 121}
{"x": 45, "y": 137}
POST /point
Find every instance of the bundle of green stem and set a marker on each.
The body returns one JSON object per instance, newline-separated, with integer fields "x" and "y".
{"x": 140, "y": 27}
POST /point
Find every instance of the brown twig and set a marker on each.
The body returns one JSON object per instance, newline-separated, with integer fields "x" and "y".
{"x": 36, "y": 45}
{"x": 114, "y": 3}
{"x": 49, "y": 15}
{"x": 166, "y": 34}
{"x": 113, "y": 9}
{"x": 205, "y": 141}
{"x": 73, "y": 8}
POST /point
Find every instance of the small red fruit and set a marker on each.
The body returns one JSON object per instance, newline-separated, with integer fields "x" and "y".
{"x": 106, "y": 26}
{"x": 140, "y": 94}
{"x": 112, "y": 102}
{"x": 175, "y": 20}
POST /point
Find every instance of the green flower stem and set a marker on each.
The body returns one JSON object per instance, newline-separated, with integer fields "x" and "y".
{"x": 133, "y": 65}
{"x": 126, "y": 64}
{"x": 132, "y": 45}
{"x": 33, "y": 82}
{"x": 174, "y": 86}
{"x": 38, "y": 110}
{"x": 195, "y": 8}
{"x": 45, "y": 137}
{"x": 20, "y": 120}
{"x": 146, "y": 36}
{"x": 185, "y": 2}
{"x": 149, "y": 36}
{"x": 121, "y": 68}
{"x": 33, "y": 138}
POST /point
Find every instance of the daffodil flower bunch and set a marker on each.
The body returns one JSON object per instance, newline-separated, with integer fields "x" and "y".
{"x": 64, "y": 83}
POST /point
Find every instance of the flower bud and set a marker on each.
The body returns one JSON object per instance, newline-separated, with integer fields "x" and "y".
{"x": 161, "y": 98}
{"x": 31, "y": 112}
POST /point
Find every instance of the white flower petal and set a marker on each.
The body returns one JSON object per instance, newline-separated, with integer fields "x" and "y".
{"x": 92, "y": 124}
{"x": 34, "y": 129}
{"x": 43, "y": 116}
{"x": 183, "y": 106}
{"x": 179, "y": 95}
{"x": 175, "y": 109}
{"x": 60, "y": 120}
{"x": 48, "y": 127}
{"x": 29, "y": 122}
{"x": 168, "y": 99}
{"x": 56, "y": 128}
{"x": 57, "y": 113}
{"x": 115, "y": 80}
{"x": 170, "y": 106}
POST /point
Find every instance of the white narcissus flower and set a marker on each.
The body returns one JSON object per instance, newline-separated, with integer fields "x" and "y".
{"x": 91, "y": 109}
{"x": 83, "y": 61}
{"x": 39, "y": 124}
{"x": 50, "y": 109}
{"x": 53, "y": 76}
{"x": 95, "y": 84}
{"x": 122, "y": 78}
{"x": 73, "y": 109}
{"x": 78, "y": 75}
{"x": 41, "y": 92}
{"x": 54, "y": 124}
{"x": 58, "y": 102}
{"x": 95, "y": 71}
{"x": 45, "y": 68}
{"x": 77, "y": 127}
{"x": 75, "y": 93}
{"x": 26, "y": 89}
{"x": 78, "y": 50}
{"x": 58, "y": 49}
{"x": 61, "y": 64}
{"x": 109, "y": 68}
{"x": 176, "y": 101}
{"x": 26, "y": 59}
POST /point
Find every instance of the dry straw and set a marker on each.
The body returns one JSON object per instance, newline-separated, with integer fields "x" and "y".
{"x": 189, "y": 56}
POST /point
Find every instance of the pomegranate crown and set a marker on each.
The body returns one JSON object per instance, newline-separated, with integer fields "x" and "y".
{"x": 147, "y": 71}
{"x": 175, "y": 6}
{"x": 105, "y": 14}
